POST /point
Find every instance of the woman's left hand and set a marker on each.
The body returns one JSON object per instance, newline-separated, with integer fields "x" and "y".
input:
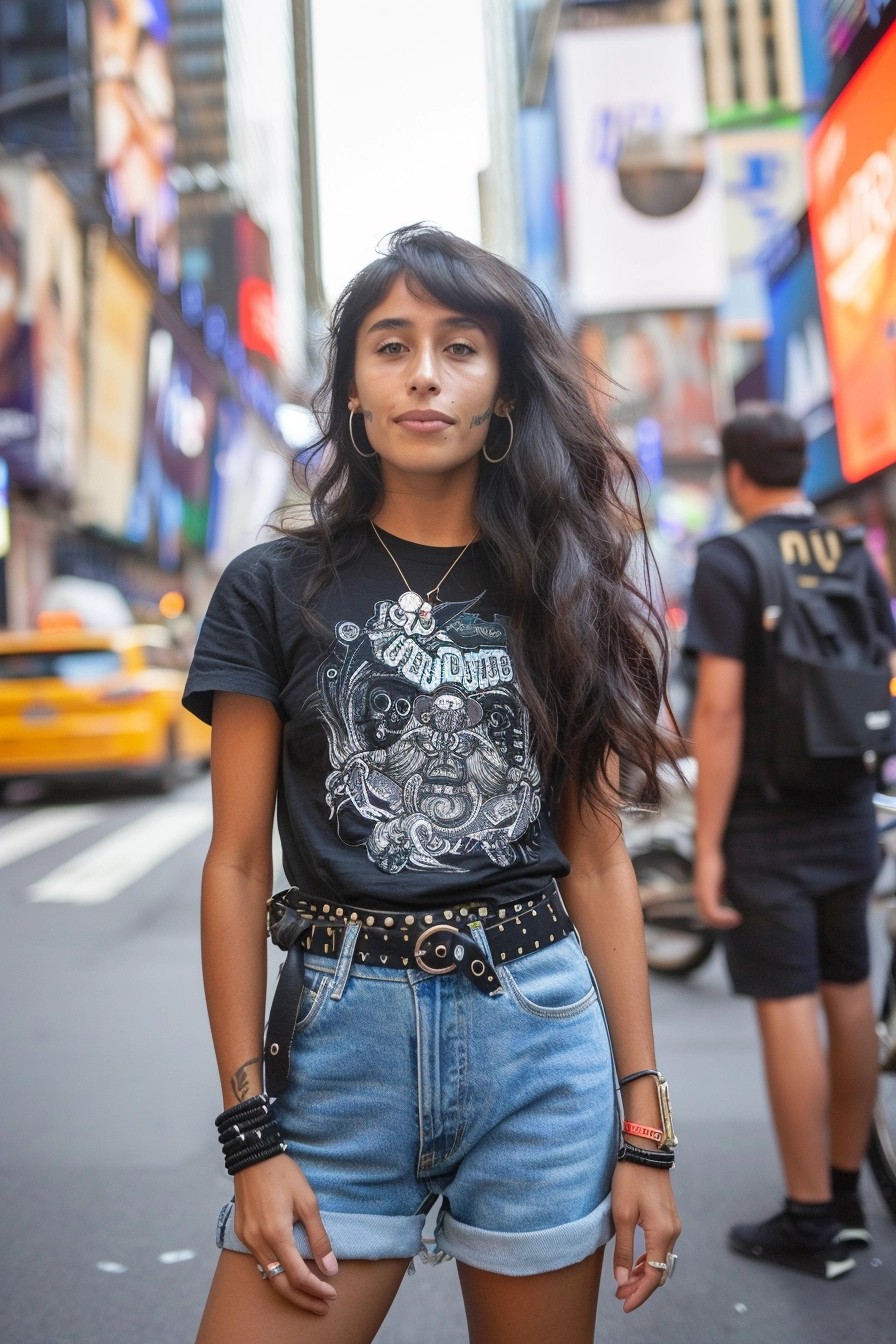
{"x": 642, "y": 1197}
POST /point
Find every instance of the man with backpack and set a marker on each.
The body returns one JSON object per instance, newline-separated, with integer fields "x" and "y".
{"x": 792, "y": 629}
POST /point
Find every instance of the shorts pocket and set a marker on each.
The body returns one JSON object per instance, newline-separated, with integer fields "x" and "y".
{"x": 316, "y": 990}
{"x": 555, "y": 981}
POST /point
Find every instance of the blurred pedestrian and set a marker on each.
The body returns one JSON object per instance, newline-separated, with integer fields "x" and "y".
{"x": 438, "y": 768}
{"x": 786, "y": 871}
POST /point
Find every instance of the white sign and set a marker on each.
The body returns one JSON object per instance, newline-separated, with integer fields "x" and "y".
{"x": 614, "y": 84}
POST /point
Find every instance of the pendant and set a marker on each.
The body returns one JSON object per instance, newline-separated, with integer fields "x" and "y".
{"x": 415, "y": 605}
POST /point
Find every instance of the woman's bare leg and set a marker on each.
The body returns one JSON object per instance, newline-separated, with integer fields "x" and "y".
{"x": 536, "y": 1309}
{"x": 243, "y": 1308}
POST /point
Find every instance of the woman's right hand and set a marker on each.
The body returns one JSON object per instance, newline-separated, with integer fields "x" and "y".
{"x": 270, "y": 1197}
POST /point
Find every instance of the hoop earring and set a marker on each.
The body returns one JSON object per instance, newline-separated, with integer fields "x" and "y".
{"x": 351, "y": 416}
{"x": 495, "y": 460}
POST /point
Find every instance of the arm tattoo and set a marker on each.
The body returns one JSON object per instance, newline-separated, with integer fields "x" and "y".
{"x": 240, "y": 1080}
{"x": 480, "y": 419}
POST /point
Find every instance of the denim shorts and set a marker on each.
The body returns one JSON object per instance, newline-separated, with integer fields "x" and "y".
{"x": 406, "y": 1087}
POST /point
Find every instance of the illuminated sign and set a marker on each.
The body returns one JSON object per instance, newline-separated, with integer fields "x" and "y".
{"x": 642, "y": 190}
{"x": 852, "y": 213}
{"x": 797, "y": 370}
{"x": 134, "y": 126}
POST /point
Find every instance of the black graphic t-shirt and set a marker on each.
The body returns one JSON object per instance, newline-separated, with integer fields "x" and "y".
{"x": 408, "y": 776}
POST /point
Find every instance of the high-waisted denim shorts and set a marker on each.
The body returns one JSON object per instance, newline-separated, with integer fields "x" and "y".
{"x": 405, "y": 1087}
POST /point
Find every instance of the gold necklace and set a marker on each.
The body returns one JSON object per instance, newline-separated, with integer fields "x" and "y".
{"x": 411, "y": 600}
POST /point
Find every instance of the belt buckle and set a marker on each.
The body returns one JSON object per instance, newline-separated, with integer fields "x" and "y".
{"x": 441, "y": 950}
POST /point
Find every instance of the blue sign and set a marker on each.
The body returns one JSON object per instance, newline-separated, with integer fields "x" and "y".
{"x": 813, "y": 23}
{"x": 797, "y": 371}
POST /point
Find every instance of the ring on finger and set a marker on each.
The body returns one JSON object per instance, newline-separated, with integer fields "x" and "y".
{"x": 666, "y": 1267}
{"x": 271, "y": 1271}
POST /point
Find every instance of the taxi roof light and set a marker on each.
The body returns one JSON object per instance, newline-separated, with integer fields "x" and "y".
{"x": 59, "y": 620}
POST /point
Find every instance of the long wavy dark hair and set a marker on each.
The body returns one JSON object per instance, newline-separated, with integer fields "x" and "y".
{"x": 558, "y": 518}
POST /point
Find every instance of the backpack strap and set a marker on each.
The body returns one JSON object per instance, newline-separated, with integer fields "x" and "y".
{"x": 768, "y": 566}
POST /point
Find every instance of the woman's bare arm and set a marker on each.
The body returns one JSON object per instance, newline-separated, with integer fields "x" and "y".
{"x": 601, "y": 895}
{"x": 236, "y": 884}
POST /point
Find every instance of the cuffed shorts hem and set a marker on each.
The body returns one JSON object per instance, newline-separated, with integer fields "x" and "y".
{"x": 520, "y": 1253}
{"x": 353, "y": 1236}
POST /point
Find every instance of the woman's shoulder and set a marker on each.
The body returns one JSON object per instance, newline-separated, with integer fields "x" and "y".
{"x": 268, "y": 563}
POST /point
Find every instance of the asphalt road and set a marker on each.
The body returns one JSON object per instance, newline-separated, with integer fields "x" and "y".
{"x": 109, "y": 1171}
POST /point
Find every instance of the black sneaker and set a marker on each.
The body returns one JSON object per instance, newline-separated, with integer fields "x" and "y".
{"x": 854, "y": 1231}
{"x": 794, "y": 1242}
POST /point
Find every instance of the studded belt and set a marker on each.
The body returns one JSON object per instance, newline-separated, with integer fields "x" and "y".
{"x": 437, "y": 942}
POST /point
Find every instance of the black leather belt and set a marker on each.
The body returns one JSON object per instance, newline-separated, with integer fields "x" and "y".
{"x": 435, "y": 941}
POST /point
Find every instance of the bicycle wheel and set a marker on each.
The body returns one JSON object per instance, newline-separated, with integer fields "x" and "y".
{"x": 677, "y": 943}
{"x": 882, "y": 1144}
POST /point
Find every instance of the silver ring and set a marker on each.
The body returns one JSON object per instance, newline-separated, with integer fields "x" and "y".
{"x": 666, "y": 1267}
{"x": 271, "y": 1271}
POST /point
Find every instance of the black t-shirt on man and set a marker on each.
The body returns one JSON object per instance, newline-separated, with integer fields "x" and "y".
{"x": 725, "y": 618}
{"x": 408, "y": 776}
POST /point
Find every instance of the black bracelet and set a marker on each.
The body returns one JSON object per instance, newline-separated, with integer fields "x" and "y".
{"x": 646, "y": 1157}
{"x": 642, "y": 1073}
{"x": 259, "y": 1152}
{"x": 262, "y": 1155}
{"x": 268, "y": 1133}
{"x": 249, "y": 1133}
{"x": 260, "y": 1105}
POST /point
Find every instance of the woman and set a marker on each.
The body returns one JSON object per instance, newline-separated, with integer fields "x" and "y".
{"x": 435, "y": 682}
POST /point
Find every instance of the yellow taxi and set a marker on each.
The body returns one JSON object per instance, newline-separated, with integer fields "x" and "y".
{"x": 83, "y": 702}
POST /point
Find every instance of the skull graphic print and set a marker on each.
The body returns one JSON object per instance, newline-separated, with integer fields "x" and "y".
{"x": 429, "y": 740}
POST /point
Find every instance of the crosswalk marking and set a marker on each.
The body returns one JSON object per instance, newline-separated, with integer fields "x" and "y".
{"x": 39, "y": 830}
{"x": 106, "y": 868}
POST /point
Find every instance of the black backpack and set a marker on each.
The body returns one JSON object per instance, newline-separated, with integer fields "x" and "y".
{"x": 826, "y": 672}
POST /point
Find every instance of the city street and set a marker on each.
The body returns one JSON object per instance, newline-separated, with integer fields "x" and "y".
{"x": 111, "y": 1179}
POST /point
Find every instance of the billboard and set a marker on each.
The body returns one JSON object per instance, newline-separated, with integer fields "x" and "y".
{"x": 618, "y": 87}
{"x": 120, "y": 308}
{"x": 41, "y": 311}
{"x": 852, "y": 214}
{"x": 169, "y": 504}
{"x": 797, "y": 370}
{"x": 134, "y": 125}
{"x": 249, "y": 482}
{"x": 229, "y": 257}
{"x": 765, "y": 189}
{"x": 657, "y": 386}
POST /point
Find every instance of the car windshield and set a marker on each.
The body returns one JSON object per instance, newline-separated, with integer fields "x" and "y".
{"x": 76, "y": 667}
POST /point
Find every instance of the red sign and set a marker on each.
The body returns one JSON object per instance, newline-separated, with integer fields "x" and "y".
{"x": 257, "y": 317}
{"x": 852, "y": 214}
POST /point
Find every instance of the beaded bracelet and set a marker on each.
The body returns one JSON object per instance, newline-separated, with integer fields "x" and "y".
{"x": 264, "y": 1134}
{"x": 646, "y": 1157}
{"x": 260, "y": 1103}
{"x": 262, "y": 1155}
{"x": 249, "y": 1133}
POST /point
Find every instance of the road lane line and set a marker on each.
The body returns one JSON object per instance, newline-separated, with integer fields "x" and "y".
{"x": 43, "y": 828}
{"x": 106, "y": 868}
